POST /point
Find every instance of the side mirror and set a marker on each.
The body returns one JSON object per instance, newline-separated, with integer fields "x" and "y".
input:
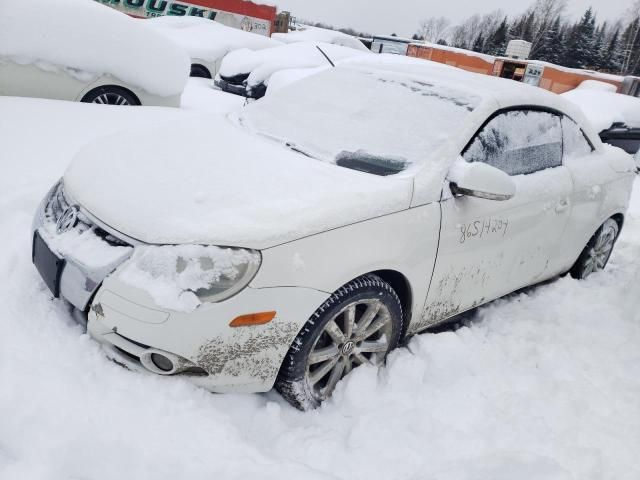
{"x": 480, "y": 180}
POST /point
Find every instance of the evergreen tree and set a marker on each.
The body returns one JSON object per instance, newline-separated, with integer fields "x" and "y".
{"x": 496, "y": 44}
{"x": 612, "y": 60}
{"x": 548, "y": 48}
{"x": 478, "y": 45}
{"x": 581, "y": 41}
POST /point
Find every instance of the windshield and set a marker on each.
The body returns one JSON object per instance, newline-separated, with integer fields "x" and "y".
{"x": 353, "y": 117}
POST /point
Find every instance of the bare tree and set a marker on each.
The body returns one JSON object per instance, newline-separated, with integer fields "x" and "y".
{"x": 434, "y": 28}
{"x": 545, "y": 12}
{"x": 631, "y": 57}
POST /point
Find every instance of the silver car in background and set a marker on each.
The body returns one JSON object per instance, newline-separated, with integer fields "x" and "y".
{"x": 83, "y": 51}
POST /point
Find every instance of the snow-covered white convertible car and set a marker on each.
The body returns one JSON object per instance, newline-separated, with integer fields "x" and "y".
{"x": 311, "y": 233}
{"x": 79, "y": 50}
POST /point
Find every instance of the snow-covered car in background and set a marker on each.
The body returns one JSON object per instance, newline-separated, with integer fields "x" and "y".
{"x": 306, "y": 33}
{"x": 615, "y": 116}
{"x": 205, "y": 41}
{"x": 309, "y": 234}
{"x": 80, "y": 50}
{"x": 247, "y": 73}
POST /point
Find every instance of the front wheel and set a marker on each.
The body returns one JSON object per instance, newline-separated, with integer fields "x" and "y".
{"x": 596, "y": 254}
{"x": 358, "y": 325}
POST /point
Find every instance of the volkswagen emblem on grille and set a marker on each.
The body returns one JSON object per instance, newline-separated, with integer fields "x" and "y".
{"x": 68, "y": 220}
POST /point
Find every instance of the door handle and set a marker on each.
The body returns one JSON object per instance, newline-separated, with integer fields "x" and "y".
{"x": 562, "y": 205}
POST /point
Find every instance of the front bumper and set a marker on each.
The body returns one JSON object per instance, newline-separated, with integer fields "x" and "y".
{"x": 210, "y": 353}
{"x": 201, "y": 345}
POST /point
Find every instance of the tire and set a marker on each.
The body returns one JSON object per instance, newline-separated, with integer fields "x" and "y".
{"x": 111, "y": 95}
{"x": 199, "y": 71}
{"x": 327, "y": 349}
{"x": 595, "y": 255}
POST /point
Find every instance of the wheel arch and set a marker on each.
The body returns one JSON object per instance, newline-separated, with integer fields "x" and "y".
{"x": 198, "y": 70}
{"x": 400, "y": 283}
{"x": 619, "y": 218}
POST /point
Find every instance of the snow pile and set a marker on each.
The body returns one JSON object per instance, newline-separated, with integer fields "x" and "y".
{"x": 94, "y": 39}
{"x": 315, "y": 34}
{"x": 205, "y": 39}
{"x": 260, "y": 65}
{"x": 85, "y": 247}
{"x": 381, "y": 113}
{"x": 597, "y": 85}
{"x": 604, "y": 108}
{"x": 172, "y": 275}
{"x": 284, "y": 78}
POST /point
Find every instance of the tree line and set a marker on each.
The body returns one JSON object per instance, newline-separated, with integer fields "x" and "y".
{"x": 587, "y": 43}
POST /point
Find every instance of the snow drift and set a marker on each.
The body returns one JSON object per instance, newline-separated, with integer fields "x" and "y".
{"x": 92, "y": 39}
{"x": 315, "y": 34}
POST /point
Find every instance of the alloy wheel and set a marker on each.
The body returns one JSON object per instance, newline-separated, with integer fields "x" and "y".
{"x": 111, "y": 98}
{"x": 600, "y": 252}
{"x": 359, "y": 334}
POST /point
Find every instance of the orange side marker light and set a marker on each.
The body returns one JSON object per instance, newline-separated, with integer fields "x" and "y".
{"x": 252, "y": 319}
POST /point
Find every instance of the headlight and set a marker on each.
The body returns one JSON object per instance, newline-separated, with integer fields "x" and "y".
{"x": 182, "y": 277}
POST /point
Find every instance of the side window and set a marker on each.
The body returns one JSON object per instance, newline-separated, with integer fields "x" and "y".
{"x": 575, "y": 141}
{"x": 519, "y": 142}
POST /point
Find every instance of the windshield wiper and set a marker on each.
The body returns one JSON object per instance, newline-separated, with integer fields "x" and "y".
{"x": 293, "y": 147}
{"x": 370, "y": 163}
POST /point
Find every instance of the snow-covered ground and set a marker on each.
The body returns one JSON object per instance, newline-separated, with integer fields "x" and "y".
{"x": 541, "y": 385}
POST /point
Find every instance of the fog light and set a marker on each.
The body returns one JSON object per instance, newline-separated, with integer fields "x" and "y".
{"x": 162, "y": 362}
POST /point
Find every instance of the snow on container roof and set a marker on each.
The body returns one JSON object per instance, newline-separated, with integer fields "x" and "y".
{"x": 437, "y": 46}
{"x": 93, "y": 38}
{"x": 315, "y": 34}
{"x": 206, "y": 39}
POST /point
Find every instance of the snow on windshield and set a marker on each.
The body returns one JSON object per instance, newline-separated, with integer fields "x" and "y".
{"x": 382, "y": 114}
{"x": 91, "y": 39}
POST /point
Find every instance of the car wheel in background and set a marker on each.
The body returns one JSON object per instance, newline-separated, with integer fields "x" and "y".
{"x": 111, "y": 95}
{"x": 199, "y": 71}
{"x": 359, "y": 324}
{"x": 596, "y": 254}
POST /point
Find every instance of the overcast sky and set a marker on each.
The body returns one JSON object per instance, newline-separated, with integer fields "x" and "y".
{"x": 403, "y": 16}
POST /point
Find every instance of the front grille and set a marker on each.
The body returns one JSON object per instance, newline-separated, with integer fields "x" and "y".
{"x": 58, "y": 204}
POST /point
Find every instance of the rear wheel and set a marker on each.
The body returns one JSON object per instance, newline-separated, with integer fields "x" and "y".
{"x": 358, "y": 325}
{"x": 111, "y": 95}
{"x": 596, "y": 254}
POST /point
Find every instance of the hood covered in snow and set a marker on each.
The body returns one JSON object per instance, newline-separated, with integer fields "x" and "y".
{"x": 208, "y": 181}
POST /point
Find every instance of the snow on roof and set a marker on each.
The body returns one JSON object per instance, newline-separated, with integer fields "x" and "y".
{"x": 604, "y": 108}
{"x": 205, "y": 39}
{"x": 263, "y": 63}
{"x": 315, "y": 34}
{"x": 93, "y": 38}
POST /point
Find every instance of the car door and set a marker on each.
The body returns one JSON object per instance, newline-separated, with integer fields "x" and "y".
{"x": 596, "y": 193}
{"x": 489, "y": 248}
